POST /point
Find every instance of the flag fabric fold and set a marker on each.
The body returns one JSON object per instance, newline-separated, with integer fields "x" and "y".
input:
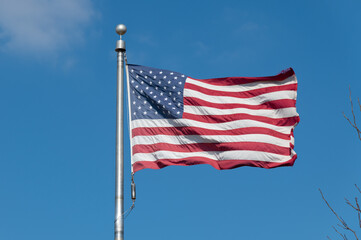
{"x": 224, "y": 122}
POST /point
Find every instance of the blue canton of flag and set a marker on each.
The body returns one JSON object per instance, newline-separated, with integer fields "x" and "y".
{"x": 155, "y": 93}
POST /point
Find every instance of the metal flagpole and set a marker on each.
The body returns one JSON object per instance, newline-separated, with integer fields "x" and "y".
{"x": 119, "y": 161}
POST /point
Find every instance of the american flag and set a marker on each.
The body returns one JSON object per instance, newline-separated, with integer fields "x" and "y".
{"x": 225, "y": 122}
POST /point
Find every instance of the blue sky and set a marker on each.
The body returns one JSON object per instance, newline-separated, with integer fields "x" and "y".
{"x": 57, "y": 101}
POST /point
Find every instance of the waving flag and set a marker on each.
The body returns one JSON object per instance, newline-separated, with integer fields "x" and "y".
{"x": 225, "y": 122}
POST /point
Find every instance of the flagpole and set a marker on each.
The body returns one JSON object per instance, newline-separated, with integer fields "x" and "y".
{"x": 119, "y": 161}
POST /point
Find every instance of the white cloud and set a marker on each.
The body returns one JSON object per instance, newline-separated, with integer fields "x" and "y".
{"x": 43, "y": 25}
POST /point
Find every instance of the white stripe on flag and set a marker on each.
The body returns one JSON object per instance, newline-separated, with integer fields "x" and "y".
{"x": 257, "y": 100}
{"x": 151, "y": 123}
{"x": 189, "y": 139}
{"x": 214, "y": 155}
{"x": 271, "y": 113}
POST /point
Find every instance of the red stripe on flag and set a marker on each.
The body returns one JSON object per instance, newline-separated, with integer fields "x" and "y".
{"x": 220, "y": 165}
{"x": 228, "y": 81}
{"x": 175, "y": 131}
{"x": 206, "y": 147}
{"x": 276, "y": 104}
{"x": 290, "y": 121}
